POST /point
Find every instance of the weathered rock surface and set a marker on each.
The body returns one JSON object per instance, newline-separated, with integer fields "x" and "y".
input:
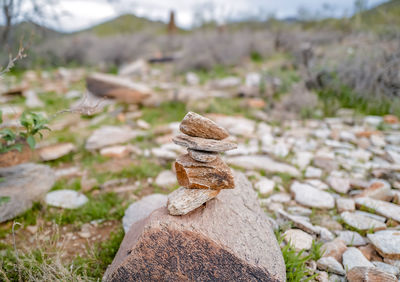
{"x": 125, "y": 90}
{"x": 330, "y": 264}
{"x": 183, "y": 200}
{"x": 344, "y": 204}
{"x": 387, "y": 243}
{"x": 21, "y": 186}
{"x": 110, "y": 135}
{"x": 378, "y": 190}
{"x": 54, "y": 152}
{"x": 197, "y": 175}
{"x": 312, "y": 197}
{"x": 353, "y": 257}
{"x": 198, "y": 126}
{"x": 258, "y": 162}
{"x": 369, "y": 274}
{"x": 67, "y": 199}
{"x": 201, "y": 144}
{"x": 351, "y": 238}
{"x": 362, "y": 222}
{"x": 334, "y": 249}
{"x": 299, "y": 239}
{"x": 142, "y": 208}
{"x": 202, "y": 156}
{"x": 386, "y": 209}
{"x": 231, "y": 240}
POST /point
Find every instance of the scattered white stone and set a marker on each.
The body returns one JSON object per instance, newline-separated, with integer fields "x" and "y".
{"x": 317, "y": 184}
{"x": 351, "y": 238}
{"x": 377, "y": 140}
{"x": 331, "y": 265}
{"x": 371, "y": 215}
{"x": 312, "y": 197}
{"x": 32, "y": 100}
{"x": 67, "y": 199}
{"x": 57, "y": 151}
{"x": 265, "y": 186}
{"x": 373, "y": 120}
{"x": 340, "y": 185}
{"x": 386, "y": 209}
{"x": 353, "y": 257}
{"x": 192, "y": 78}
{"x": 362, "y": 222}
{"x": 302, "y": 159}
{"x": 110, "y": 135}
{"x": 344, "y": 204}
{"x": 313, "y": 172}
{"x": 299, "y": 210}
{"x": 299, "y": 239}
{"x": 115, "y": 151}
{"x": 253, "y": 79}
{"x": 142, "y": 208}
{"x": 280, "y": 198}
{"x": 387, "y": 268}
{"x": 227, "y": 82}
{"x": 387, "y": 243}
{"x": 166, "y": 179}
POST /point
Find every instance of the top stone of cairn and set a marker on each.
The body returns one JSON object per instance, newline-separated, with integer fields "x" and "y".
{"x": 198, "y": 126}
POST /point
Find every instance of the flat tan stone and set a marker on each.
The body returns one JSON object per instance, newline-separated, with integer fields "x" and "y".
{"x": 197, "y": 175}
{"x": 198, "y": 126}
{"x": 202, "y": 156}
{"x": 369, "y": 274}
{"x": 201, "y": 144}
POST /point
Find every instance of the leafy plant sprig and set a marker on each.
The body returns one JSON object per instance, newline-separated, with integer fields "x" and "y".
{"x": 33, "y": 124}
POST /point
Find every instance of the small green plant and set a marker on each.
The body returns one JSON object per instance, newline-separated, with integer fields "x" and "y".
{"x": 316, "y": 251}
{"x": 33, "y": 124}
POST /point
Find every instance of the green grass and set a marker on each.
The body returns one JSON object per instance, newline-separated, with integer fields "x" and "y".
{"x": 54, "y": 102}
{"x": 167, "y": 112}
{"x": 231, "y": 106}
{"x": 217, "y": 72}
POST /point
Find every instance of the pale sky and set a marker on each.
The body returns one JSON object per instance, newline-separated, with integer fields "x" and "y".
{"x": 81, "y": 14}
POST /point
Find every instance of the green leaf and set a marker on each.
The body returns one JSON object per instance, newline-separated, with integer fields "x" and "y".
{"x": 31, "y": 141}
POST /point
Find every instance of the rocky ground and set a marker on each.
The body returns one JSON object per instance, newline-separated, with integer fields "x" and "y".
{"x": 331, "y": 185}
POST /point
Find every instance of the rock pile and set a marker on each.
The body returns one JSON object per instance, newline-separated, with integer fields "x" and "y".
{"x": 201, "y": 172}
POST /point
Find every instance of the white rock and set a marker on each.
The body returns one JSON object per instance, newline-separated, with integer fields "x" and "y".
{"x": 253, "y": 79}
{"x": 386, "y": 209}
{"x": 317, "y": 184}
{"x": 362, "y": 222}
{"x": 192, "y": 78}
{"x": 344, "y": 204}
{"x": 312, "y": 197}
{"x": 227, "y": 82}
{"x": 138, "y": 67}
{"x": 166, "y": 179}
{"x": 54, "y": 152}
{"x": 115, "y": 151}
{"x": 387, "y": 243}
{"x": 313, "y": 172}
{"x": 373, "y": 120}
{"x": 110, "y": 135}
{"x": 377, "y": 140}
{"x": 142, "y": 208}
{"x": 67, "y": 199}
{"x": 340, "y": 185}
{"x": 353, "y": 257}
{"x": 164, "y": 153}
{"x": 280, "y": 198}
{"x": 371, "y": 215}
{"x": 303, "y": 159}
{"x": 183, "y": 200}
{"x": 387, "y": 268}
{"x": 259, "y": 162}
{"x": 351, "y": 238}
{"x": 299, "y": 239}
{"x": 235, "y": 125}
{"x": 331, "y": 265}
{"x": 32, "y": 100}
{"x": 265, "y": 186}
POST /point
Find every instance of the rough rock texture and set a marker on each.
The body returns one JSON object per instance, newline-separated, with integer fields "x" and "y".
{"x": 202, "y": 156}
{"x": 298, "y": 239}
{"x": 362, "y": 222}
{"x": 229, "y": 240}
{"x": 21, "y": 186}
{"x": 387, "y": 243}
{"x": 197, "y": 175}
{"x": 353, "y": 257}
{"x": 331, "y": 265}
{"x": 125, "y": 90}
{"x": 369, "y": 274}
{"x": 386, "y": 209}
{"x": 198, "y": 126}
{"x": 183, "y": 200}
{"x": 142, "y": 208}
{"x": 55, "y": 151}
{"x": 334, "y": 249}
{"x": 201, "y": 144}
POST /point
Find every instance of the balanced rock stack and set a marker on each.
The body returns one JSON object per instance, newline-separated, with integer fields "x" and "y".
{"x": 201, "y": 172}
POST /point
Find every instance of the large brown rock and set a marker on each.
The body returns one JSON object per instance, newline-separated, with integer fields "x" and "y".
{"x": 228, "y": 240}
{"x": 201, "y": 144}
{"x": 369, "y": 274}
{"x": 197, "y": 175}
{"x": 198, "y": 126}
{"x": 122, "y": 89}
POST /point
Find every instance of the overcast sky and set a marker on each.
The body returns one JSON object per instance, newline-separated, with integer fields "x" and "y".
{"x": 85, "y": 13}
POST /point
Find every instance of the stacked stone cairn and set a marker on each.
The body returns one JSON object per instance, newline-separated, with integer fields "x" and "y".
{"x": 201, "y": 172}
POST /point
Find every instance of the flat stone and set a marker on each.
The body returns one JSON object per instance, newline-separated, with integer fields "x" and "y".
{"x": 351, "y": 238}
{"x": 260, "y": 162}
{"x": 387, "y": 243}
{"x": 379, "y": 190}
{"x": 197, "y": 175}
{"x": 265, "y": 186}
{"x": 235, "y": 125}
{"x": 386, "y": 209}
{"x": 32, "y": 99}
{"x": 353, "y": 257}
{"x": 200, "y": 144}
{"x": 299, "y": 239}
{"x": 67, "y": 199}
{"x": 361, "y": 222}
{"x": 387, "y": 268}
{"x": 311, "y": 197}
{"x": 369, "y": 274}
{"x": 118, "y": 152}
{"x": 198, "y": 126}
{"x": 184, "y": 200}
{"x": 202, "y": 156}
{"x": 340, "y": 185}
{"x": 344, "y": 204}
{"x": 142, "y": 208}
{"x": 313, "y": 172}
{"x": 334, "y": 249}
{"x": 230, "y": 238}
{"x": 331, "y": 265}
{"x": 110, "y": 135}
{"x": 57, "y": 151}
{"x": 166, "y": 179}
{"x": 22, "y": 185}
